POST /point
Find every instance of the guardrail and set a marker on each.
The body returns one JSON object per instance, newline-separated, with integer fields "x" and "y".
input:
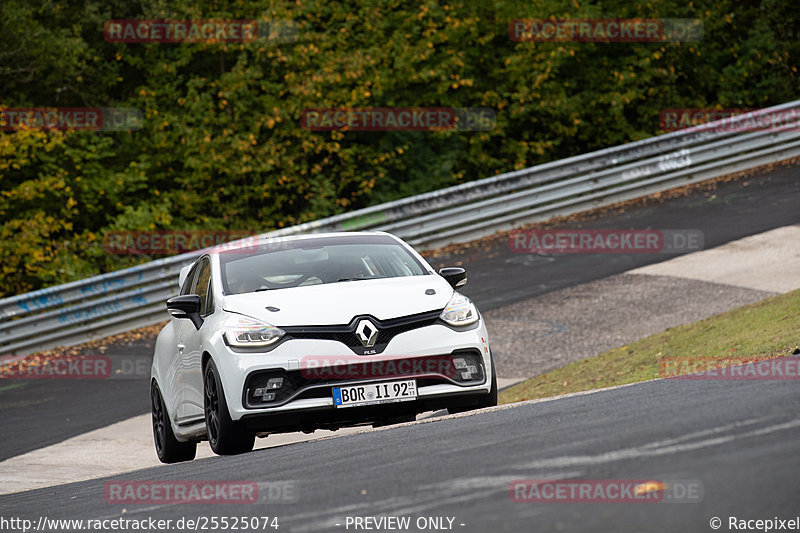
{"x": 119, "y": 301}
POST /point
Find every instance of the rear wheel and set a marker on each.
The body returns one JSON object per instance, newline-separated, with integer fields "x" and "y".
{"x": 168, "y": 448}
{"x": 225, "y": 436}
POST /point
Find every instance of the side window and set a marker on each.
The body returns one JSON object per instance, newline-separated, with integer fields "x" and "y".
{"x": 187, "y": 283}
{"x": 202, "y": 287}
{"x": 209, "y": 299}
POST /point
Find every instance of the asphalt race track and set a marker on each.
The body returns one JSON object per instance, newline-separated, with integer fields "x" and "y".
{"x": 737, "y": 441}
{"x": 40, "y": 413}
{"x": 730, "y": 212}
{"x": 37, "y": 413}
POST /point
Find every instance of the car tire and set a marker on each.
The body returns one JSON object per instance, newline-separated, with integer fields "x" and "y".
{"x": 225, "y": 436}
{"x": 168, "y": 448}
{"x": 489, "y": 400}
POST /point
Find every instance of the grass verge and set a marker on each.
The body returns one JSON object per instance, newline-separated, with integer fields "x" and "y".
{"x": 763, "y": 330}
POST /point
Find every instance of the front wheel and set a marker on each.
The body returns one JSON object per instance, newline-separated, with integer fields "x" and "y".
{"x": 168, "y": 448}
{"x": 225, "y": 436}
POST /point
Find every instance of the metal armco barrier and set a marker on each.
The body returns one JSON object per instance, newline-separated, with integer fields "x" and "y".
{"x": 112, "y": 303}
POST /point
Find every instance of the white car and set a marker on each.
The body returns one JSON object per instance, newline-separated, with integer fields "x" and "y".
{"x": 313, "y": 332}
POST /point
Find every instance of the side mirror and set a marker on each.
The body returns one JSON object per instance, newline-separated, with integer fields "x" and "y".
{"x": 186, "y": 306}
{"x": 455, "y": 276}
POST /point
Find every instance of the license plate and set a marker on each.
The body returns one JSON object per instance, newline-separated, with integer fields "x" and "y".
{"x": 375, "y": 393}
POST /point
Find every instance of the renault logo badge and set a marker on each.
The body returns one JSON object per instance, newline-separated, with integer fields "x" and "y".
{"x": 367, "y": 333}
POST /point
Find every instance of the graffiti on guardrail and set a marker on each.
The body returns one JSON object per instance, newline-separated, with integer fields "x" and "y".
{"x": 635, "y": 151}
{"x": 106, "y": 286}
{"x": 105, "y": 308}
{"x": 666, "y": 162}
{"x": 363, "y": 221}
{"x": 54, "y": 296}
{"x": 42, "y": 300}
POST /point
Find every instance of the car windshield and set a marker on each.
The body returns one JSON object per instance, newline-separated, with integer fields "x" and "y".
{"x": 315, "y": 261}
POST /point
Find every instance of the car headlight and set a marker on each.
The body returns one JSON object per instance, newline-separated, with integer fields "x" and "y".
{"x": 460, "y": 311}
{"x": 246, "y": 332}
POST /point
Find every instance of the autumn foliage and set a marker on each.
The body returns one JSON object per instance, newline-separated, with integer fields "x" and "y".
{"x": 222, "y": 147}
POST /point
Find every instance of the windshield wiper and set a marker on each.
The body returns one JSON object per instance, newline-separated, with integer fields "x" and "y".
{"x": 361, "y": 279}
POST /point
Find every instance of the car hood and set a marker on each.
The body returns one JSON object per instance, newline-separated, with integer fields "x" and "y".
{"x": 338, "y": 303}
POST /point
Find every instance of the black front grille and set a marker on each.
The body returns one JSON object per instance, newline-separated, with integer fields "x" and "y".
{"x": 346, "y": 333}
{"x": 317, "y": 382}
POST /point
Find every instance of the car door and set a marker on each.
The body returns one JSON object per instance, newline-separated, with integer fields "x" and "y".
{"x": 191, "y": 353}
{"x": 175, "y": 375}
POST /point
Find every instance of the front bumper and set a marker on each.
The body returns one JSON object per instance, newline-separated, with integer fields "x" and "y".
{"x": 310, "y": 419}
{"x": 310, "y": 368}
{"x": 463, "y": 368}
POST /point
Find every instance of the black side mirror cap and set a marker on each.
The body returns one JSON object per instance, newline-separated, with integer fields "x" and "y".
{"x": 455, "y": 276}
{"x": 186, "y": 306}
